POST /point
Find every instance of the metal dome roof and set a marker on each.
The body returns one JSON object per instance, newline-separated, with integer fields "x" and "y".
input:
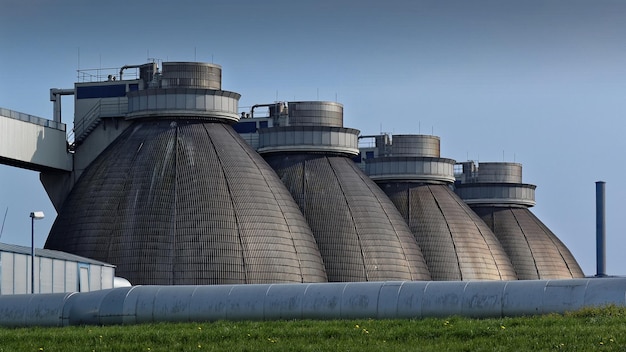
{"x": 536, "y": 252}
{"x": 187, "y": 202}
{"x": 456, "y": 243}
{"x": 496, "y": 193}
{"x": 361, "y": 236}
{"x": 360, "y": 233}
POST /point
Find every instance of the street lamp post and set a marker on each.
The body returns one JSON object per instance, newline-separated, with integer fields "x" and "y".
{"x": 35, "y": 215}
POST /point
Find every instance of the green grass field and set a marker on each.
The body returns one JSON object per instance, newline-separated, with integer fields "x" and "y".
{"x": 586, "y": 330}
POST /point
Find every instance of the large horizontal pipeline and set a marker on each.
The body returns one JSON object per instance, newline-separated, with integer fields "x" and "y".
{"x": 378, "y": 300}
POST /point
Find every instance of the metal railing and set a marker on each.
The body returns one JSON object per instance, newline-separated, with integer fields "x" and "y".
{"x": 108, "y": 107}
{"x": 103, "y": 74}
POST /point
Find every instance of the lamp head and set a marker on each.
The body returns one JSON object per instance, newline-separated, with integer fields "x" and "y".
{"x": 37, "y": 215}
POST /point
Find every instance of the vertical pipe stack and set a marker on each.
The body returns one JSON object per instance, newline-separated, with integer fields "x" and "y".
{"x": 600, "y": 230}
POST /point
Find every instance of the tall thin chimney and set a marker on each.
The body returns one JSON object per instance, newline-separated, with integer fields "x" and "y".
{"x": 600, "y": 230}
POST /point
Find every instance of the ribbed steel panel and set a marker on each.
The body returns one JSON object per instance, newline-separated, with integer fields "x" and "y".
{"x": 415, "y": 145}
{"x": 187, "y": 202}
{"x": 361, "y": 235}
{"x": 499, "y": 172}
{"x": 191, "y": 75}
{"x": 455, "y": 242}
{"x": 315, "y": 113}
{"x": 323, "y": 139}
{"x": 499, "y": 194}
{"x": 535, "y": 252}
{"x": 398, "y": 168}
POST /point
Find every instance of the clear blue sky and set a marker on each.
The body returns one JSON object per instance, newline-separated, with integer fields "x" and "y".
{"x": 540, "y": 82}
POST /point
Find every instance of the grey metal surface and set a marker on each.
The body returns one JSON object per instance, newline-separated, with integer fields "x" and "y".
{"x": 455, "y": 242}
{"x": 315, "y": 113}
{"x": 32, "y": 142}
{"x": 399, "y": 168}
{"x": 184, "y": 102}
{"x": 187, "y": 202}
{"x": 499, "y": 172}
{"x": 415, "y": 145}
{"x": 309, "y": 138}
{"x": 12, "y": 114}
{"x": 191, "y": 75}
{"x": 361, "y": 235}
{"x": 497, "y": 194}
{"x": 356, "y": 300}
{"x": 536, "y": 253}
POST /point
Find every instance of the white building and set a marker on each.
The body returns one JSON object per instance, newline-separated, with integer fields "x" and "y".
{"x": 54, "y": 271}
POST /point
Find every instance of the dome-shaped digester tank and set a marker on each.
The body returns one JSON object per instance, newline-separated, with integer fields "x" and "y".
{"x": 361, "y": 235}
{"x": 496, "y": 193}
{"x": 180, "y": 198}
{"x": 455, "y": 242}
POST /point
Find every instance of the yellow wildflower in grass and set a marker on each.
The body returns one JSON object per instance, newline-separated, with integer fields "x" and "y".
{"x": 502, "y": 327}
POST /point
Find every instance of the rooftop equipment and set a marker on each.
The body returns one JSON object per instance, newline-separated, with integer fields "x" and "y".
{"x": 361, "y": 235}
{"x": 496, "y": 193}
{"x": 179, "y": 197}
{"x": 456, "y": 244}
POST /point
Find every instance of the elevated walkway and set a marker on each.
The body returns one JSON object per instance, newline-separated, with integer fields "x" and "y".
{"x": 32, "y": 142}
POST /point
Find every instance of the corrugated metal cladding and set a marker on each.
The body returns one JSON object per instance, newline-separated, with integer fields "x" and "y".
{"x": 536, "y": 252}
{"x": 361, "y": 235}
{"x": 496, "y": 193}
{"x": 54, "y": 271}
{"x": 415, "y": 145}
{"x": 455, "y": 242}
{"x": 315, "y": 113}
{"x": 191, "y": 75}
{"x": 187, "y": 202}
